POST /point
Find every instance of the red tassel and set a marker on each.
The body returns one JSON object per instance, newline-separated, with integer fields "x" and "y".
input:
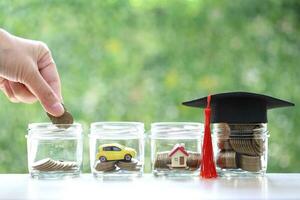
{"x": 208, "y": 168}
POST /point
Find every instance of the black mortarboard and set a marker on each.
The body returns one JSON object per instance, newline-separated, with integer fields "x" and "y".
{"x": 239, "y": 107}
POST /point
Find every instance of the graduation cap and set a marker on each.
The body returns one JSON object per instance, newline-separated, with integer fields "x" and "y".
{"x": 239, "y": 107}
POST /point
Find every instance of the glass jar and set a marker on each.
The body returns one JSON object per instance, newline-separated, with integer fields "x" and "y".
{"x": 117, "y": 149}
{"x": 54, "y": 151}
{"x": 241, "y": 149}
{"x": 176, "y": 148}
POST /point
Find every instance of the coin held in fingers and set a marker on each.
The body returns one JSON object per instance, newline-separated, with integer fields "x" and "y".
{"x": 62, "y": 121}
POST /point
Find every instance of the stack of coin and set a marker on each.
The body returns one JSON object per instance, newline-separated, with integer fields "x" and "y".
{"x": 223, "y": 133}
{"x": 62, "y": 121}
{"x": 243, "y": 146}
{"x": 223, "y": 129}
{"x": 258, "y": 142}
{"x": 240, "y": 145}
{"x": 193, "y": 161}
{"x": 49, "y": 164}
{"x": 130, "y": 166}
{"x": 105, "y": 166}
{"x": 224, "y": 144}
{"x": 227, "y": 159}
{"x": 162, "y": 160}
{"x": 247, "y": 139}
{"x": 244, "y": 128}
{"x": 250, "y": 163}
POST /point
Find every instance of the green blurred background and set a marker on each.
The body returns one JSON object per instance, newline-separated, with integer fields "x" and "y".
{"x": 138, "y": 60}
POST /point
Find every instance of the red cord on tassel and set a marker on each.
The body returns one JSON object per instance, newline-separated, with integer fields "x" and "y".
{"x": 208, "y": 168}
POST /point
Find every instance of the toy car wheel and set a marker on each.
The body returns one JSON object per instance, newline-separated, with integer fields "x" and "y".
{"x": 127, "y": 157}
{"x": 102, "y": 159}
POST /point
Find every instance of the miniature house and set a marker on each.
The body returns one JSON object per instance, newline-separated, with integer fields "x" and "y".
{"x": 178, "y": 156}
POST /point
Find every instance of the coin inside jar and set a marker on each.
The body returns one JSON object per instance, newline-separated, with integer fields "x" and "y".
{"x": 48, "y": 164}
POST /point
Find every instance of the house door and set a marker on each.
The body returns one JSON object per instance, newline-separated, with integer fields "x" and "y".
{"x": 181, "y": 160}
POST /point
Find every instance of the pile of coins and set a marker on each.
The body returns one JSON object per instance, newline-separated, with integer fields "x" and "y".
{"x": 193, "y": 161}
{"x": 227, "y": 159}
{"x": 106, "y": 166}
{"x": 163, "y": 160}
{"x": 129, "y": 166}
{"x": 250, "y": 163}
{"x": 240, "y": 146}
{"x": 49, "y": 164}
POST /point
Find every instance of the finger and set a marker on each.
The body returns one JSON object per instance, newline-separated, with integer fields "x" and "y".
{"x": 40, "y": 88}
{"x": 22, "y": 93}
{"x": 48, "y": 70}
{"x": 5, "y": 88}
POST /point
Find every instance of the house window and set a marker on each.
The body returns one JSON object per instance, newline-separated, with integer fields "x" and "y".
{"x": 176, "y": 159}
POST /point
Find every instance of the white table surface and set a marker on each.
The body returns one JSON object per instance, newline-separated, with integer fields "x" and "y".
{"x": 273, "y": 186}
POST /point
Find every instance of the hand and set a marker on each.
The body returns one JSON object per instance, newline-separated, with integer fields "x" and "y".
{"x": 28, "y": 73}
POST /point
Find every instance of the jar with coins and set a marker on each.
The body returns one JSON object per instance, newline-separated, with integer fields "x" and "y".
{"x": 241, "y": 148}
{"x": 176, "y": 148}
{"x": 240, "y": 130}
{"x": 116, "y": 149}
{"x": 54, "y": 151}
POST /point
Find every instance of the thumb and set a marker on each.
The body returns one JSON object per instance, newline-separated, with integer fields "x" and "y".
{"x": 47, "y": 97}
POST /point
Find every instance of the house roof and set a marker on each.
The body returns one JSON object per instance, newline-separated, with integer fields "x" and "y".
{"x": 176, "y": 148}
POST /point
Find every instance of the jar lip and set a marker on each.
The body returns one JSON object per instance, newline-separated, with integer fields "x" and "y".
{"x": 216, "y": 126}
{"x": 53, "y": 131}
{"x": 181, "y": 130}
{"x": 154, "y": 124}
{"x": 223, "y": 130}
{"x": 44, "y": 125}
{"x": 115, "y": 129}
{"x": 115, "y": 123}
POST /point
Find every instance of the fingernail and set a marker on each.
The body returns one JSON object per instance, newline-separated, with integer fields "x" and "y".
{"x": 57, "y": 109}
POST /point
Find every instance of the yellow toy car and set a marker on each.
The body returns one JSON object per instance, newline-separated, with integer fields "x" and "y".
{"x": 115, "y": 151}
